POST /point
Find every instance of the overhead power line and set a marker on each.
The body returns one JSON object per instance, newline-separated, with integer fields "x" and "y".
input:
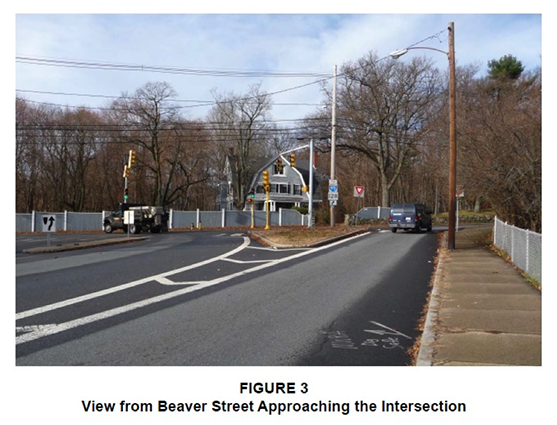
{"x": 165, "y": 70}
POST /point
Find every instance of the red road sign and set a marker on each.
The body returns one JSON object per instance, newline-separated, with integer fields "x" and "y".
{"x": 359, "y": 191}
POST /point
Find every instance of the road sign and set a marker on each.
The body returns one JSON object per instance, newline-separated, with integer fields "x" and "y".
{"x": 333, "y": 196}
{"x": 359, "y": 191}
{"x": 333, "y": 186}
{"x": 49, "y": 223}
{"x": 129, "y": 217}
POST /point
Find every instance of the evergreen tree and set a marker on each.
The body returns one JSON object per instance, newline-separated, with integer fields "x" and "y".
{"x": 508, "y": 67}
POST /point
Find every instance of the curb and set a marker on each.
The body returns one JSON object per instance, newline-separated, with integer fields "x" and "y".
{"x": 425, "y": 354}
{"x": 81, "y": 245}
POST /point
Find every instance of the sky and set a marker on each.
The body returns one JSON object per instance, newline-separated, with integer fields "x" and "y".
{"x": 278, "y": 43}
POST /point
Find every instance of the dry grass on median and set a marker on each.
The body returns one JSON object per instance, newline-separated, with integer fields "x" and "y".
{"x": 302, "y": 236}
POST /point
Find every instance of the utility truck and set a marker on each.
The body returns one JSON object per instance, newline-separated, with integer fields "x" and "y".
{"x": 145, "y": 218}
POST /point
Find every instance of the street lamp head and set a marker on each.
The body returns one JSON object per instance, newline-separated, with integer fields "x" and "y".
{"x": 398, "y": 53}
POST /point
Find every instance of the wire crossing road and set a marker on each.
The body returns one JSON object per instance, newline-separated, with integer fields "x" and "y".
{"x": 219, "y": 299}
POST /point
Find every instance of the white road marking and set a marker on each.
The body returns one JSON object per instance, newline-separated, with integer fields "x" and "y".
{"x": 97, "y": 294}
{"x": 231, "y": 260}
{"x": 42, "y": 332}
{"x": 34, "y": 328}
{"x": 389, "y": 331}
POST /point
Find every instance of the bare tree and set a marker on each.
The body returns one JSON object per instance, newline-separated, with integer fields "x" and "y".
{"x": 146, "y": 119}
{"x": 28, "y": 158}
{"x": 54, "y": 150}
{"x": 240, "y": 129}
{"x": 501, "y": 146}
{"x": 384, "y": 108}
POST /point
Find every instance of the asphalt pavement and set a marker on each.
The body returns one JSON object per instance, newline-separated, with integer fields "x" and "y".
{"x": 482, "y": 311}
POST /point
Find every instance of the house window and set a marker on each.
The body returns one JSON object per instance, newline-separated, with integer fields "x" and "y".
{"x": 297, "y": 189}
{"x": 282, "y": 188}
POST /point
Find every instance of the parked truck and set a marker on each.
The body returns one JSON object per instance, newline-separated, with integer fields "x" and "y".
{"x": 145, "y": 218}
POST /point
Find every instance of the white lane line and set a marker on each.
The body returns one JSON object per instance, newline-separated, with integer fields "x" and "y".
{"x": 34, "y": 328}
{"x": 61, "y": 304}
{"x": 231, "y": 260}
{"x": 164, "y": 281}
{"x": 40, "y": 333}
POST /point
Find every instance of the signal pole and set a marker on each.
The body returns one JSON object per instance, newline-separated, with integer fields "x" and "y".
{"x": 333, "y": 140}
{"x": 127, "y": 168}
{"x": 126, "y": 174}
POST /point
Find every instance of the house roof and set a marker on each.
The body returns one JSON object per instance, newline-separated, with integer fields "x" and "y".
{"x": 302, "y": 167}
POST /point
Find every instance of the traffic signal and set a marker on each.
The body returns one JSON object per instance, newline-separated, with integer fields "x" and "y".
{"x": 126, "y": 197}
{"x": 126, "y": 172}
{"x": 131, "y": 159}
{"x": 279, "y": 166}
{"x": 292, "y": 160}
{"x": 266, "y": 184}
{"x": 251, "y": 196}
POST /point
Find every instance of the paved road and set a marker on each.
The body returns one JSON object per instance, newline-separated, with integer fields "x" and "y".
{"x": 217, "y": 298}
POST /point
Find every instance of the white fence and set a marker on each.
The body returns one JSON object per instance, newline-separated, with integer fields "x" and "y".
{"x": 523, "y": 247}
{"x": 31, "y": 222}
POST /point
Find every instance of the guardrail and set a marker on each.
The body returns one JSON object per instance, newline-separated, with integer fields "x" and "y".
{"x": 522, "y": 246}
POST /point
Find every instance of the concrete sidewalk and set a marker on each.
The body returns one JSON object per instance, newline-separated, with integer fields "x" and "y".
{"x": 482, "y": 311}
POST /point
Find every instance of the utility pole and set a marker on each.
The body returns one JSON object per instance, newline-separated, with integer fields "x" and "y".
{"x": 452, "y": 128}
{"x": 452, "y": 140}
{"x": 333, "y": 140}
{"x": 310, "y": 185}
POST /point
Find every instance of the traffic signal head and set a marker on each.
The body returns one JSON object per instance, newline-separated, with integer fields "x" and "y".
{"x": 126, "y": 196}
{"x": 279, "y": 166}
{"x": 126, "y": 172}
{"x": 266, "y": 184}
{"x": 131, "y": 160}
{"x": 292, "y": 160}
{"x": 251, "y": 196}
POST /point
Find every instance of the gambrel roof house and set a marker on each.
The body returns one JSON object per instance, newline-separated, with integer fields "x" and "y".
{"x": 289, "y": 184}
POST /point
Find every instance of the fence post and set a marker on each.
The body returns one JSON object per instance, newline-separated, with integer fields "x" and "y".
{"x": 223, "y": 218}
{"x": 527, "y": 251}
{"x": 280, "y": 217}
{"x": 495, "y": 232}
{"x": 170, "y": 218}
{"x": 33, "y": 220}
{"x": 65, "y": 220}
{"x": 197, "y": 218}
{"x": 512, "y": 244}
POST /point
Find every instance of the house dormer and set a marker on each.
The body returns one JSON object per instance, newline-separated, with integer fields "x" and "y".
{"x": 289, "y": 184}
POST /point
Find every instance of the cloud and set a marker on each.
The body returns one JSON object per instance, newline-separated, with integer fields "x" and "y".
{"x": 278, "y": 42}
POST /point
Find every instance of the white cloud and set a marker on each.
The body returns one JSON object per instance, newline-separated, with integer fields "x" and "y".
{"x": 308, "y": 43}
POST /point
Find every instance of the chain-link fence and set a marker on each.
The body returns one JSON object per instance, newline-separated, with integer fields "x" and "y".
{"x": 523, "y": 247}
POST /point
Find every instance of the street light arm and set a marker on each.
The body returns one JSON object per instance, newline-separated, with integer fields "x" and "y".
{"x": 452, "y": 128}
{"x": 295, "y": 149}
{"x": 398, "y": 53}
